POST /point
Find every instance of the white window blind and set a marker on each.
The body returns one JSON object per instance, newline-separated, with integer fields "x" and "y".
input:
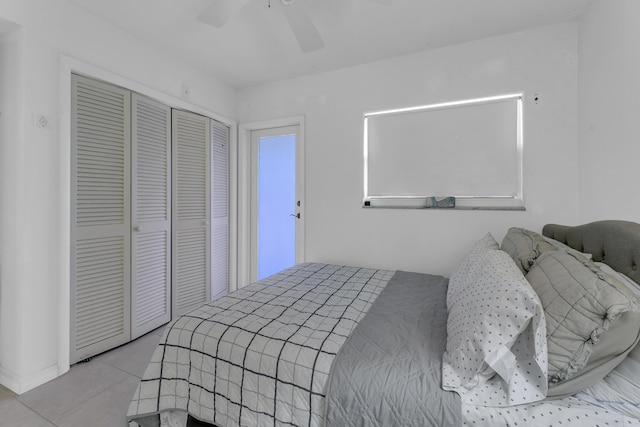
{"x": 471, "y": 150}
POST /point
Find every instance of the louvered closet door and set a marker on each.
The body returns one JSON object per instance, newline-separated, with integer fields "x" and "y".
{"x": 219, "y": 209}
{"x": 150, "y": 215}
{"x": 100, "y": 215}
{"x": 191, "y": 211}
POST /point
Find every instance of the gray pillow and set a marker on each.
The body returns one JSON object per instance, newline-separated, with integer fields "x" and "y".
{"x": 524, "y": 246}
{"x": 562, "y": 247}
{"x": 593, "y": 320}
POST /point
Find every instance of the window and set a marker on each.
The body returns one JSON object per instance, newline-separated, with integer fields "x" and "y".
{"x": 470, "y": 150}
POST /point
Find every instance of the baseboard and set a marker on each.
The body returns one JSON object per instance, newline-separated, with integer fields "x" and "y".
{"x": 21, "y": 385}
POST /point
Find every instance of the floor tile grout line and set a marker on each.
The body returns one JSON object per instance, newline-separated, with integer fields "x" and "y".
{"x": 128, "y": 376}
{"x": 45, "y": 419}
{"x": 62, "y": 415}
{"x": 84, "y": 400}
{"x": 115, "y": 366}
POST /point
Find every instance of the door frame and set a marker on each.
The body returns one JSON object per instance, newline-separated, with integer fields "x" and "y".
{"x": 68, "y": 66}
{"x": 244, "y": 191}
{"x": 256, "y": 137}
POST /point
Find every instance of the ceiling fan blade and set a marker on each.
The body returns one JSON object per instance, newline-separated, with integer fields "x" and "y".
{"x": 220, "y": 12}
{"x": 302, "y": 26}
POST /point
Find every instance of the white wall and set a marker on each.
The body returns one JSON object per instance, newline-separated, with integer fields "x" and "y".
{"x": 11, "y": 194}
{"x": 609, "y": 111}
{"x": 339, "y": 230}
{"x": 34, "y": 211}
{"x": 34, "y": 261}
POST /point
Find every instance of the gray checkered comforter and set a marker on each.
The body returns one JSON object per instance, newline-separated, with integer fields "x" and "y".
{"x": 261, "y": 355}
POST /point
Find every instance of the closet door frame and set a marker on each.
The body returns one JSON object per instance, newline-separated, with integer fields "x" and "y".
{"x": 68, "y": 66}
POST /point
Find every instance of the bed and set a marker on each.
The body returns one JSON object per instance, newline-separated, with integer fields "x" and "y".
{"x": 540, "y": 329}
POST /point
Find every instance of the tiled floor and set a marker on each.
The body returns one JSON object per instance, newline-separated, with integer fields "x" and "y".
{"x": 91, "y": 394}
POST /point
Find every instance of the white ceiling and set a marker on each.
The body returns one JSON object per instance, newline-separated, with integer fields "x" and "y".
{"x": 257, "y": 45}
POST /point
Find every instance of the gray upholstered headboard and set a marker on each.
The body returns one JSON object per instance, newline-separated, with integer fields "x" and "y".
{"x": 616, "y": 243}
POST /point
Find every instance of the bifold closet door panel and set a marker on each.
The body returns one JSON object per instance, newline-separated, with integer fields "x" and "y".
{"x": 191, "y": 189}
{"x": 150, "y": 215}
{"x": 100, "y": 217}
{"x": 219, "y": 209}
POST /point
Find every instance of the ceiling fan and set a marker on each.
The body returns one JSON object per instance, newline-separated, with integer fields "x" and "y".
{"x": 304, "y": 30}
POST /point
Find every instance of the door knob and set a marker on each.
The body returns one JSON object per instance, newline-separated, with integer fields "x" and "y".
{"x": 295, "y": 215}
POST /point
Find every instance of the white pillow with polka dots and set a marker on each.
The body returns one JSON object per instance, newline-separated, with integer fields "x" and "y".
{"x": 496, "y": 334}
{"x": 461, "y": 275}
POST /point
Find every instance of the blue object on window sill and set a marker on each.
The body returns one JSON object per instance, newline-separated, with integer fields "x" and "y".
{"x": 441, "y": 202}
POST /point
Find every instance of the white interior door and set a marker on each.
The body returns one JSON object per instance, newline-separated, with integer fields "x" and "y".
{"x": 151, "y": 215}
{"x": 277, "y": 220}
{"x": 191, "y": 190}
{"x": 100, "y": 217}
{"x": 146, "y": 243}
{"x": 219, "y": 209}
